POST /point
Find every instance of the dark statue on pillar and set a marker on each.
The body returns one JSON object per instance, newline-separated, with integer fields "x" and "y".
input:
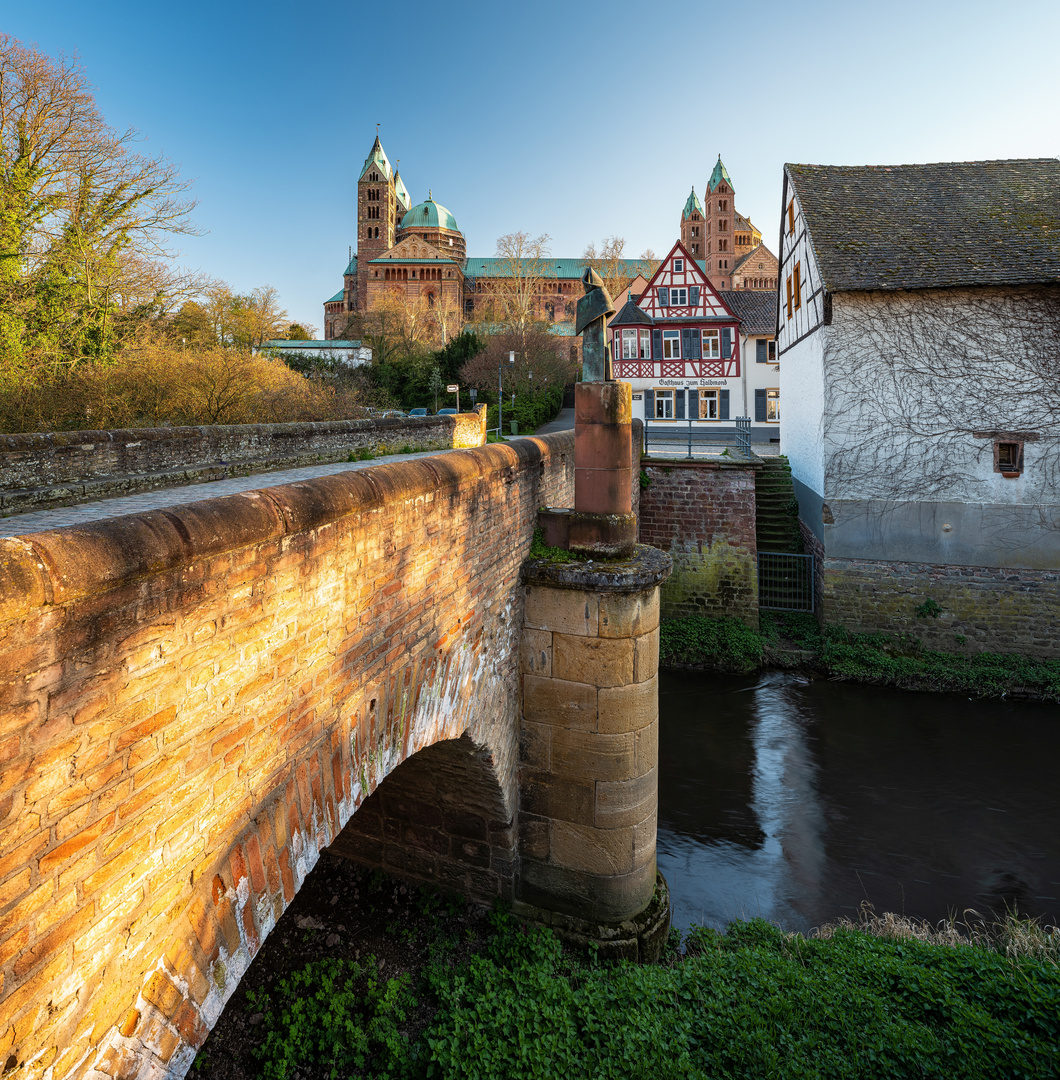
{"x": 594, "y": 309}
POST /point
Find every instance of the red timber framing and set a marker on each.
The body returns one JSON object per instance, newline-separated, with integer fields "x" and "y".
{"x": 693, "y": 333}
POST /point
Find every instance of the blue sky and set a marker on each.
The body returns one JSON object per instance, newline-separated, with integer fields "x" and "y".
{"x": 570, "y": 118}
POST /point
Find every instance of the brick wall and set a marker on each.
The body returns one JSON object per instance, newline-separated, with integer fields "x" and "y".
{"x": 193, "y": 703}
{"x": 703, "y": 514}
{"x": 993, "y": 610}
{"x": 33, "y": 462}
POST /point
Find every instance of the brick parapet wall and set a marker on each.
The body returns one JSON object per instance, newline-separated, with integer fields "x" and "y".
{"x": 51, "y": 468}
{"x": 993, "y": 610}
{"x": 196, "y": 700}
{"x": 703, "y": 514}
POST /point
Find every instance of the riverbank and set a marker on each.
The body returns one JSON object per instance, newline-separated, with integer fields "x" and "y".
{"x": 368, "y": 977}
{"x": 795, "y": 641}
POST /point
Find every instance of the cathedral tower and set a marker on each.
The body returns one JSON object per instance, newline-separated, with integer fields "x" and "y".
{"x": 721, "y": 216}
{"x": 693, "y": 228}
{"x": 378, "y": 212}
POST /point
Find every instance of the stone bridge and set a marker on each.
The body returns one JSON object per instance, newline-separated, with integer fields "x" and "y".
{"x": 195, "y": 702}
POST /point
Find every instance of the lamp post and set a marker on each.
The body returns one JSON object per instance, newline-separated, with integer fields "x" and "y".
{"x": 500, "y": 395}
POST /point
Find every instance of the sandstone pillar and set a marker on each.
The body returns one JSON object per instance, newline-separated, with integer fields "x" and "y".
{"x": 589, "y": 736}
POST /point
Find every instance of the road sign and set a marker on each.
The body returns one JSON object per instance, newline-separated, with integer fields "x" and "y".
{"x": 452, "y": 388}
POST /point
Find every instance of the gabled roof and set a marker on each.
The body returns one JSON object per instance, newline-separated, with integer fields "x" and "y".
{"x": 720, "y": 173}
{"x": 377, "y": 156}
{"x": 330, "y": 343}
{"x": 756, "y": 309}
{"x": 692, "y": 204}
{"x": 413, "y": 249}
{"x": 631, "y": 315}
{"x": 755, "y": 252}
{"x": 932, "y": 226}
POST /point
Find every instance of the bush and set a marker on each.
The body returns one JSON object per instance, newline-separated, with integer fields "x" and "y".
{"x": 719, "y": 644}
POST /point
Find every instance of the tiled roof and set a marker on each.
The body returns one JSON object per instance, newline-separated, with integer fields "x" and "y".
{"x": 931, "y": 226}
{"x": 631, "y": 315}
{"x": 352, "y": 268}
{"x": 692, "y": 203}
{"x": 720, "y": 173}
{"x": 336, "y": 297}
{"x": 756, "y": 309}
{"x": 331, "y": 343}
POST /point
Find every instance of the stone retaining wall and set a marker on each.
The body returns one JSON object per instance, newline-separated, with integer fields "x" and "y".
{"x": 992, "y": 610}
{"x": 59, "y": 468}
{"x": 703, "y": 514}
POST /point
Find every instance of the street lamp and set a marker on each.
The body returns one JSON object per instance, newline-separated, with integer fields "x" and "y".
{"x": 500, "y": 395}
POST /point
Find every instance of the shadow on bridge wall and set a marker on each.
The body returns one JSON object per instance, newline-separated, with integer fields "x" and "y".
{"x": 194, "y": 703}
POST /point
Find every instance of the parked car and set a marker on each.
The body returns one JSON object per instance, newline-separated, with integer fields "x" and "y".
{"x": 392, "y": 414}
{"x": 447, "y": 412}
{"x": 418, "y": 412}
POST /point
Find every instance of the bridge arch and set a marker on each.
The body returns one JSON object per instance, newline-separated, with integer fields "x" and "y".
{"x": 196, "y": 701}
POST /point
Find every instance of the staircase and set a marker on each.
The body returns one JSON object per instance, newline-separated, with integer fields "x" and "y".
{"x": 776, "y": 510}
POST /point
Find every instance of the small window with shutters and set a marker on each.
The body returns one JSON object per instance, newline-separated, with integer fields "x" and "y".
{"x": 693, "y": 295}
{"x": 708, "y": 405}
{"x": 726, "y": 342}
{"x": 664, "y": 297}
{"x": 761, "y": 352}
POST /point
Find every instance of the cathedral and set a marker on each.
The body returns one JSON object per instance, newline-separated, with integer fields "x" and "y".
{"x": 419, "y": 253}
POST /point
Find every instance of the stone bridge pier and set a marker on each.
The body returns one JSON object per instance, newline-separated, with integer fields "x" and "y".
{"x": 195, "y": 702}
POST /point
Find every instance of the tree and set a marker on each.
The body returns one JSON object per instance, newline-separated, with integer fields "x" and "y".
{"x": 513, "y": 294}
{"x": 300, "y": 332}
{"x": 608, "y": 262}
{"x": 84, "y": 219}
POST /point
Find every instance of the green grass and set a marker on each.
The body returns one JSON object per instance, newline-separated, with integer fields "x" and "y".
{"x": 751, "y": 1003}
{"x": 898, "y": 660}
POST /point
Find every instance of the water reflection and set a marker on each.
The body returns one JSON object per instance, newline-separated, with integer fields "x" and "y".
{"x": 797, "y": 800}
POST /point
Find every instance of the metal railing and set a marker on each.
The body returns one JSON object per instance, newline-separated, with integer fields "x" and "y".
{"x": 694, "y": 438}
{"x": 785, "y": 581}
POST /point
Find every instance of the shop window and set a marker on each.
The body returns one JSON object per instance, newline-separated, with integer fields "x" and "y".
{"x": 664, "y": 404}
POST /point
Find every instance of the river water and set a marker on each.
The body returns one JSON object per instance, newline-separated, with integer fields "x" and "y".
{"x": 797, "y": 800}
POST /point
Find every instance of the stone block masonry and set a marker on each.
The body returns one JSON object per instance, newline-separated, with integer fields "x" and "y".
{"x": 981, "y": 609}
{"x": 588, "y": 760}
{"x": 61, "y": 468}
{"x": 195, "y": 701}
{"x": 703, "y": 514}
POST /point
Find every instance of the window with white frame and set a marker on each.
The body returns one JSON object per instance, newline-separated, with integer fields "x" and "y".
{"x": 773, "y": 405}
{"x": 679, "y": 266}
{"x": 664, "y": 404}
{"x": 629, "y": 345}
{"x": 671, "y": 344}
{"x": 711, "y": 345}
{"x": 645, "y": 344}
{"x": 678, "y": 297}
{"x": 708, "y": 404}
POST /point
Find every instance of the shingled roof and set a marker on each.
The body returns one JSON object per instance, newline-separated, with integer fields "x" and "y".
{"x": 931, "y": 226}
{"x": 756, "y": 309}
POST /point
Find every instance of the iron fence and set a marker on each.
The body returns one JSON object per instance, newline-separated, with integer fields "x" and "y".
{"x": 785, "y": 581}
{"x": 692, "y": 438}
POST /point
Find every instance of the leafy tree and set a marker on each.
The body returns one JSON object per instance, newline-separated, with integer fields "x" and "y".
{"x": 84, "y": 220}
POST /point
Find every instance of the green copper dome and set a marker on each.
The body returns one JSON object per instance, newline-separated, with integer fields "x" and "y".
{"x": 692, "y": 205}
{"x": 719, "y": 174}
{"x": 429, "y": 215}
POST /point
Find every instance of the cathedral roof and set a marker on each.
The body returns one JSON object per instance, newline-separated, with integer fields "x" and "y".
{"x": 755, "y": 252}
{"x": 403, "y": 197}
{"x": 692, "y": 203}
{"x": 429, "y": 215}
{"x": 719, "y": 174}
{"x": 333, "y": 299}
{"x": 377, "y": 156}
{"x": 932, "y": 226}
{"x": 352, "y": 267}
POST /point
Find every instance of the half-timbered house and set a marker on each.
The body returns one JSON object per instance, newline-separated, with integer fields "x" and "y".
{"x": 679, "y": 346}
{"x": 918, "y": 335}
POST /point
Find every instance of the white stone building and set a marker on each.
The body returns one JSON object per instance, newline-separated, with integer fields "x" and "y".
{"x": 919, "y": 345}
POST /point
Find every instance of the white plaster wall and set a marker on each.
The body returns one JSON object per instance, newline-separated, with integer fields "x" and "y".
{"x": 802, "y": 396}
